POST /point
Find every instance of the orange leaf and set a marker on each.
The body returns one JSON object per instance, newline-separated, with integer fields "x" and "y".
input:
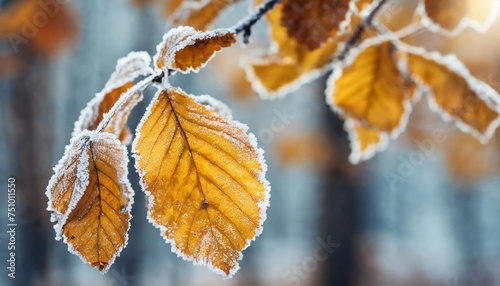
{"x": 184, "y": 49}
{"x": 127, "y": 70}
{"x": 203, "y": 176}
{"x": 46, "y": 27}
{"x": 455, "y": 93}
{"x": 90, "y": 197}
{"x": 371, "y": 89}
{"x": 365, "y": 142}
{"x": 312, "y": 22}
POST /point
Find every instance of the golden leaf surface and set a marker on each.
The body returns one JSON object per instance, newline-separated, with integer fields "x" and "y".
{"x": 91, "y": 198}
{"x": 455, "y": 92}
{"x": 184, "y": 49}
{"x": 371, "y": 89}
{"x": 204, "y": 179}
{"x": 312, "y": 22}
{"x": 365, "y": 142}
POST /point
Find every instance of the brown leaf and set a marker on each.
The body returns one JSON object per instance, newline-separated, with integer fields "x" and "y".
{"x": 270, "y": 75}
{"x": 203, "y": 176}
{"x": 184, "y": 49}
{"x": 312, "y": 22}
{"x": 90, "y": 197}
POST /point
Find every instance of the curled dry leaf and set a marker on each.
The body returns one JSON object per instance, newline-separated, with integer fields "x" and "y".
{"x": 371, "y": 89}
{"x": 455, "y": 92}
{"x": 90, "y": 197}
{"x": 127, "y": 70}
{"x": 184, "y": 49}
{"x": 204, "y": 178}
{"x": 365, "y": 142}
{"x": 312, "y": 22}
{"x": 452, "y": 16}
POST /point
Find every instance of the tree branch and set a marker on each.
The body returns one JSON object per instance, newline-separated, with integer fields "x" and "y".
{"x": 247, "y": 23}
{"x": 357, "y": 36}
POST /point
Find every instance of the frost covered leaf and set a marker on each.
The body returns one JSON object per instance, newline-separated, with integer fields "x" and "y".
{"x": 90, "y": 197}
{"x": 452, "y": 16}
{"x": 365, "y": 142}
{"x": 312, "y": 22}
{"x": 371, "y": 89}
{"x": 185, "y": 49}
{"x": 456, "y": 93}
{"x": 204, "y": 178}
{"x": 290, "y": 64}
{"x": 272, "y": 75}
{"x": 127, "y": 70}
{"x": 200, "y": 15}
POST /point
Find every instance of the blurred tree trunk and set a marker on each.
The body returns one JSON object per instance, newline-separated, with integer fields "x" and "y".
{"x": 340, "y": 218}
{"x": 32, "y": 140}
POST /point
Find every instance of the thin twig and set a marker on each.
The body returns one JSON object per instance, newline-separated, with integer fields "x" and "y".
{"x": 247, "y": 23}
{"x": 357, "y": 36}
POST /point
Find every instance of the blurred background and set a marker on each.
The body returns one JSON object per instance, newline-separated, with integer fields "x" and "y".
{"x": 424, "y": 212}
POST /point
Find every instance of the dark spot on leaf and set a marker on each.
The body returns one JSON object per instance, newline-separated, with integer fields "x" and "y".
{"x": 204, "y": 205}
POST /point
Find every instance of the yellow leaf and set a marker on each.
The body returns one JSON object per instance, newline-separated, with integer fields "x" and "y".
{"x": 455, "y": 92}
{"x": 365, "y": 142}
{"x": 371, "y": 89}
{"x": 204, "y": 178}
{"x": 185, "y": 49}
{"x": 90, "y": 197}
{"x": 312, "y": 22}
{"x": 127, "y": 70}
{"x": 452, "y": 16}
{"x": 272, "y": 77}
